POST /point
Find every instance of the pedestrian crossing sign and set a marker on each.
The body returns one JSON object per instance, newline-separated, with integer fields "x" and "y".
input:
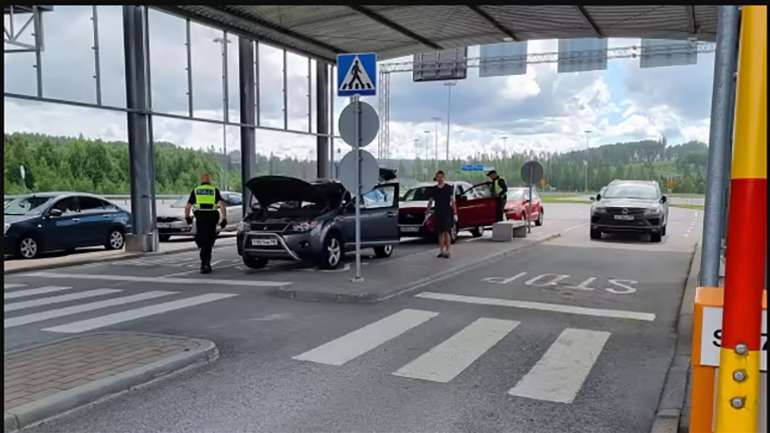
{"x": 357, "y": 74}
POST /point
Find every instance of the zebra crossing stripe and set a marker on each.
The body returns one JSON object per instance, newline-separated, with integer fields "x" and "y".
{"x": 12, "y": 285}
{"x": 560, "y": 373}
{"x": 58, "y": 299}
{"x": 447, "y": 360}
{"x": 128, "y": 315}
{"x": 32, "y": 292}
{"x": 66, "y": 311}
{"x": 362, "y": 340}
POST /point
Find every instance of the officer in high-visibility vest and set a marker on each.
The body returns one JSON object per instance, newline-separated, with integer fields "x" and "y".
{"x": 499, "y": 191}
{"x": 204, "y": 200}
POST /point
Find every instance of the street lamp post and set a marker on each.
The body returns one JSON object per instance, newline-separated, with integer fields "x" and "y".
{"x": 585, "y": 161}
{"x": 225, "y": 109}
{"x": 437, "y": 119}
{"x": 427, "y": 153}
{"x": 449, "y": 85}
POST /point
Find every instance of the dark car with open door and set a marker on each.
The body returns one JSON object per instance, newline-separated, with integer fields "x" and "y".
{"x": 291, "y": 219}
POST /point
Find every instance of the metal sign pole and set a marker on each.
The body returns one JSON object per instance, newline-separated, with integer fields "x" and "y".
{"x": 357, "y": 150}
{"x": 529, "y": 204}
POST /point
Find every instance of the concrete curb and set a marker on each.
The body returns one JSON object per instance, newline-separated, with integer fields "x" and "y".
{"x": 92, "y": 260}
{"x": 59, "y": 403}
{"x": 671, "y": 407}
{"x": 371, "y": 298}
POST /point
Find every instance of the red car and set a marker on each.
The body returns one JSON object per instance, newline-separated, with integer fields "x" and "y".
{"x": 475, "y": 209}
{"x": 518, "y": 206}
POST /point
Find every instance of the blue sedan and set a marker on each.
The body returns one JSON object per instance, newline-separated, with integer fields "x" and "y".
{"x": 62, "y": 221}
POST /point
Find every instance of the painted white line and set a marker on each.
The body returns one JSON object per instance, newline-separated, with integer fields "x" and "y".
{"x": 162, "y": 280}
{"x": 33, "y": 292}
{"x": 58, "y": 299}
{"x": 556, "y": 308}
{"x": 12, "y": 285}
{"x": 137, "y": 313}
{"x": 66, "y": 311}
{"x": 362, "y": 340}
{"x": 447, "y": 360}
{"x": 560, "y": 373}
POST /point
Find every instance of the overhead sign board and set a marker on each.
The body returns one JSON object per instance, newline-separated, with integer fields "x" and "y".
{"x": 507, "y": 58}
{"x": 357, "y": 74}
{"x": 667, "y": 52}
{"x": 448, "y": 64}
{"x": 582, "y": 54}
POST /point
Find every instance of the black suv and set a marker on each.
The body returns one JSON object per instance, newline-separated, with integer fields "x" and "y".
{"x": 291, "y": 219}
{"x": 630, "y": 206}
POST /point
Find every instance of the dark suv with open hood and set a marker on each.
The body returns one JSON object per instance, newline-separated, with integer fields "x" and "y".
{"x": 291, "y": 219}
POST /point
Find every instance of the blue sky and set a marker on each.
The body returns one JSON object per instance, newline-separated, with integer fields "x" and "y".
{"x": 542, "y": 110}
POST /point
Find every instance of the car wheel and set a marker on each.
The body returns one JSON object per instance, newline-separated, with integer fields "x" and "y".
{"x": 663, "y": 231}
{"x": 596, "y": 234}
{"x": 165, "y": 238}
{"x": 115, "y": 240}
{"x": 255, "y": 262}
{"x": 454, "y": 233}
{"x": 476, "y": 232}
{"x": 27, "y": 248}
{"x": 655, "y": 237}
{"x": 331, "y": 253}
{"x": 539, "y": 220}
{"x": 384, "y": 251}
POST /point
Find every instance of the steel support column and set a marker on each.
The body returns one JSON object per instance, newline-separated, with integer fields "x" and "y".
{"x": 139, "y": 141}
{"x": 720, "y": 139}
{"x": 248, "y": 101}
{"x": 322, "y": 119}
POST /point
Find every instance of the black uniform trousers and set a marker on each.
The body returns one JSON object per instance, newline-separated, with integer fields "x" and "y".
{"x": 206, "y": 233}
{"x": 500, "y": 207}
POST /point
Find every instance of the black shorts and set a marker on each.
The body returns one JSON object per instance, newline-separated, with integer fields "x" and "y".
{"x": 444, "y": 222}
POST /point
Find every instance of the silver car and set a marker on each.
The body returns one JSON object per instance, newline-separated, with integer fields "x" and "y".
{"x": 170, "y": 220}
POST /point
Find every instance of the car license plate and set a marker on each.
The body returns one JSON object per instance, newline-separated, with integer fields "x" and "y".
{"x": 264, "y": 242}
{"x": 410, "y": 229}
{"x": 624, "y": 217}
{"x": 164, "y": 225}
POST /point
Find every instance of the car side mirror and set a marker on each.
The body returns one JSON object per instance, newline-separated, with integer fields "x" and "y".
{"x": 592, "y": 198}
{"x": 663, "y": 199}
{"x": 598, "y": 197}
{"x": 54, "y": 213}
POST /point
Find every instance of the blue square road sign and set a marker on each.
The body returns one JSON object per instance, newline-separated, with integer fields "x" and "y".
{"x": 357, "y": 74}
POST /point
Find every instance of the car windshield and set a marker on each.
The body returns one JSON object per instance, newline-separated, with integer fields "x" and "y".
{"x": 518, "y": 193}
{"x": 181, "y": 201}
{"x": 25, "y": 205}
{"x": 290, "y": 208}
{"x": 631, "y": 190}
{"x": 418, "y": 194}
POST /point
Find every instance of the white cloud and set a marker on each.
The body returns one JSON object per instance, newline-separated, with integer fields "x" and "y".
{"x": 520, "y": 87}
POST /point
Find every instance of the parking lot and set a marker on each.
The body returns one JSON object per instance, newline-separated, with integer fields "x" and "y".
{"x": 553, "y": 332}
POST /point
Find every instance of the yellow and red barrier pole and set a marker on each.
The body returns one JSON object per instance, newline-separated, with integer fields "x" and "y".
{"x": 738, "y": 386}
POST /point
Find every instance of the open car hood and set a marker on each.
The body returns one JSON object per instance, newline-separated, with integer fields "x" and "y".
{"x": 272, "y": 189}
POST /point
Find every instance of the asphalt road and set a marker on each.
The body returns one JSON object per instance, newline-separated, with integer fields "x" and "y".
{"x": 572, "y": 335}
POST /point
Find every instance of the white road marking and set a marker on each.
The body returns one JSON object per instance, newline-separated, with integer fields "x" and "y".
{"x": 66, "y": 311}
{"x": 362, "y": 340}
{"x": 556, "y": 308}
{"x": 58, "y": 299}
{"x": 447, "y": 360}
{"x": 12, "y": 285}
{"x": 159, "y": 279}
{"x": 137, "y": 313}
{"x": 33, "y": 292}
{"x": 560, "y": 373}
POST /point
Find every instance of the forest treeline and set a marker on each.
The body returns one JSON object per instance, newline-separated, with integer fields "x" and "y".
{"x": 79, "y": 164}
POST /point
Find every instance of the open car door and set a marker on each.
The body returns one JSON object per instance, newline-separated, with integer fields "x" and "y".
{"x": 476, "y": 207}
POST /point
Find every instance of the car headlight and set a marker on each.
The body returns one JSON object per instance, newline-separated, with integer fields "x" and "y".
{"x": 652, "y": 211}
{"x": 303, "y": 227}
{"x": 6, "y": 226}
{"x": 600, "y": 209}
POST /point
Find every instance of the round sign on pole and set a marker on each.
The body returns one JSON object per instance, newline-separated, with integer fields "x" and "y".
{"x": 370, "y": 172}
{"x": 531, "y": 171}
{"x": 370, "y": 123}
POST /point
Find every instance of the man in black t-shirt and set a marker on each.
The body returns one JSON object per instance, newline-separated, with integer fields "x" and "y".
{"x": 445, "y": 212}
{"x": 204, "y": 200}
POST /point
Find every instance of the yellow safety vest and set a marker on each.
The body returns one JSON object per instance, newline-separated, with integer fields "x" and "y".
{"x": 496, "y": 188}
{"x": 205, "y": 197}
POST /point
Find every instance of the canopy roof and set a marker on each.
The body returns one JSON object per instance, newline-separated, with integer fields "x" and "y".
{"x": 394, "y": 31}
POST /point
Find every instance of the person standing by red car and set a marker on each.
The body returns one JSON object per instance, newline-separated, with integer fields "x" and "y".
{"x": 445, "y": 212}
